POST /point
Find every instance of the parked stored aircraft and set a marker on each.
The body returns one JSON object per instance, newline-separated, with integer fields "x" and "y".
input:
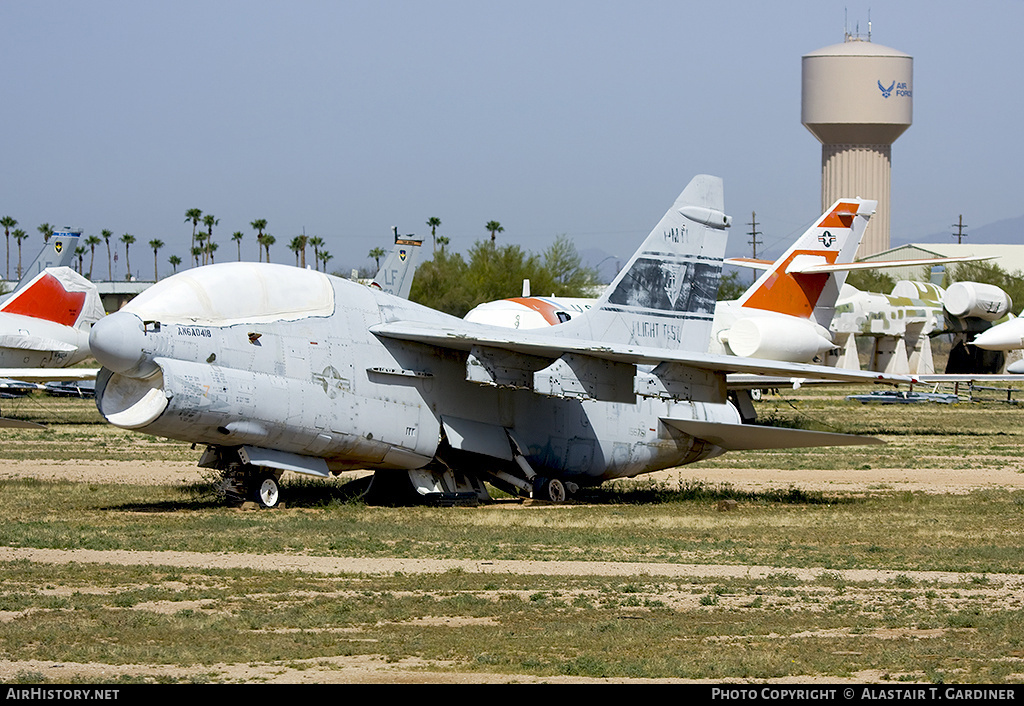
{"x": 785, "y": 315}
{"x": 44, "y": 326}
{"x": 396, "y": 274}
{"x": 319, "y": 375}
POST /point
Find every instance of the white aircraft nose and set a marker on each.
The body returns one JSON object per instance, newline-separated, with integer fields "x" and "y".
{"x": 117, "y": 341}
{"x": 1004, "y": 337}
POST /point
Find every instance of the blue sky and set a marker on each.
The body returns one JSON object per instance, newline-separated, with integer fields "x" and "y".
{"x": 343, "y": 119}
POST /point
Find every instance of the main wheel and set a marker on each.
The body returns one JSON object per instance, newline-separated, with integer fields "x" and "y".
{"x": 267, "y": 491}
{"x": 552, "y": 490}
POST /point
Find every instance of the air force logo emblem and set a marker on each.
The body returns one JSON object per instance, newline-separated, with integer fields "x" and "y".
{"x": 58, "y": 246}
{"x": 401, "y": 255}
{"x": 827, "y": 239}
{"x": 886, "y": 92}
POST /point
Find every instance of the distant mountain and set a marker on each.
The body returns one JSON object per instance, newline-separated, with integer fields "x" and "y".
{"x": 1009, "y": 231}
{"x": 607, "y": 265}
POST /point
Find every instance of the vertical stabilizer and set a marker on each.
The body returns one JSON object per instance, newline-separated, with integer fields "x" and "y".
{"x": 59, "y": 251}
{"x": 665, "y": 296}
{"x": 790, "y": 287}
{"x": 395, "y": 275}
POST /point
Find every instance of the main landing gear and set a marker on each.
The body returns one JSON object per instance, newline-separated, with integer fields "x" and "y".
{"x": 242, "y": 484}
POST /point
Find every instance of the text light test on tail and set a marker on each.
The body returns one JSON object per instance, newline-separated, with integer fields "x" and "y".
{"x": 276, "y": 369}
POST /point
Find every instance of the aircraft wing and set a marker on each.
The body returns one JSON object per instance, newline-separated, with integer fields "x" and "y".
{"x": 812, "y": 268}
{"x": 553, "y": 347}
{"x": 749, "y": 262}
{"x": 49, "y": 374}
{"x": 747, "y": 437}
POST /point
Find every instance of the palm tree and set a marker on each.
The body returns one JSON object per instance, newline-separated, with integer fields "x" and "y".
{"x": 377, "y": 254}
{"x": 324, "y": 256}
{"x": 80, "y": 251}
{"x": 210, "y": 249}
{"x": 209, "y": 221}
{"x": 19, "y": 235}
{"x": 194, "y": 215}
{"x": 434, "y": 222}
{"x": 317, "y": 242}
{"x": 237, "y": 237}
{"x": 92, "y": 241}
{"x": 197, "y": 252}
{"x": 7, "y": 222}
{"x": 295, "y": 245}
{"x": 156, "y": 245}
{"x": 258, "y": 225}
{"x": 107, "y": 235}
{"x": 127, "y": 239}
{"x": 47, "y": 230}
{"x": 268, "y": 240}
{"x": 442, "y": 240}
{"x": 494, "y": 227}
{"x": 175, "y": 261}
{"x": 303, "y": 239}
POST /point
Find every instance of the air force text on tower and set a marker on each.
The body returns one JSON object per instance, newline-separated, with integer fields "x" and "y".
{"x": 867, "y": 693}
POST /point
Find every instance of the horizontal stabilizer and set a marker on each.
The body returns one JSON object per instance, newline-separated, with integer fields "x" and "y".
{"x": 746, "y": 437}
{"x": 881, "y": 264}
{"x": 49, "y": 374}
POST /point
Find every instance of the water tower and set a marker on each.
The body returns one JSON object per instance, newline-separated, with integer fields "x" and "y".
{"x": 857, "y": 99}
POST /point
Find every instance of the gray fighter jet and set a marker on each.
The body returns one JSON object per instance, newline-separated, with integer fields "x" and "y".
{"x": 277, "y": 369}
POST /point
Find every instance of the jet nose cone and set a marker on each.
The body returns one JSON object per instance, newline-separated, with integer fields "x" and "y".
{"x": 118, "y": 341}
{"x": 1004, "y": 337}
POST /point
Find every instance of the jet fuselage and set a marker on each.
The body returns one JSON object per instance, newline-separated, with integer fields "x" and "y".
{"x": 313, "y": 380}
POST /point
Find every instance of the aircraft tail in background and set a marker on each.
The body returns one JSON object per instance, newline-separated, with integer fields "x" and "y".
{"x": 665, "y": 296}
{"x": 59, "y": 251}
{"x": 396, "y": 274}
{"x": 59, "y": 295}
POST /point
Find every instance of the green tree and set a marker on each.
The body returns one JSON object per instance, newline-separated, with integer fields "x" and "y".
{"x": 156, "y": 244}
{"x": 316, "y": 242}
{"x": 237, "y": 237}
{"x": 434, "y": 222}
{"x": 871, "y": 280}
{"x": 267, "y": 241}
{"x": 7, "y": 222}
{"x": 174, "y": 261}
{"x": 324, "y": 256}
{"x": 209, "y": 221}
{"x": 127, "y": 239}
{"x": 19, "y": 235}
{"x": 295, "y": 245}
{"x": 80, "y": 252}
{"x": 107, "y": 235}
{"x": 259, "y": 225}
{"x": 47, "y": 231}
{"x": 92, "y": 241}
{"x": 451, "y": 284}
{"x": 194, "y": 215}
{"x": 730, "y": 287}
{"x": 493, "y": 227}
{"x": 377, "y": 254}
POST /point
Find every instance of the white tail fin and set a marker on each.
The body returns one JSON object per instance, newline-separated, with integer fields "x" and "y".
{"x": 803, "y": 282}
{"x": 60, "y": 295}
{"x": 395, "y": 275}
{"x": 59, "y": 251}
{"x": 665, "y": 296}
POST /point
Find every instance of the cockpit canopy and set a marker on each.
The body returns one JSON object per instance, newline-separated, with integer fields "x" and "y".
{"x": 234, "y": 293}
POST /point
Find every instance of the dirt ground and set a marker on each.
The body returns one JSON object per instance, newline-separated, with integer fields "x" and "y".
{"x": 363, "y": 669}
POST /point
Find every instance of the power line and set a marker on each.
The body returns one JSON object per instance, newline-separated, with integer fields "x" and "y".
{"x": 960, "y": 235}
{"x": 754, "y": 242}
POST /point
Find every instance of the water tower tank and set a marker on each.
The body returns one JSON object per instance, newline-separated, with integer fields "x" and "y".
{"x": 857, "y": 99}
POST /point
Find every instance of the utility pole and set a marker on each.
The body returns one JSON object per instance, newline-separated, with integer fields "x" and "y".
{"x": 754, "y": 242}
{"x": 960, "y": 225}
